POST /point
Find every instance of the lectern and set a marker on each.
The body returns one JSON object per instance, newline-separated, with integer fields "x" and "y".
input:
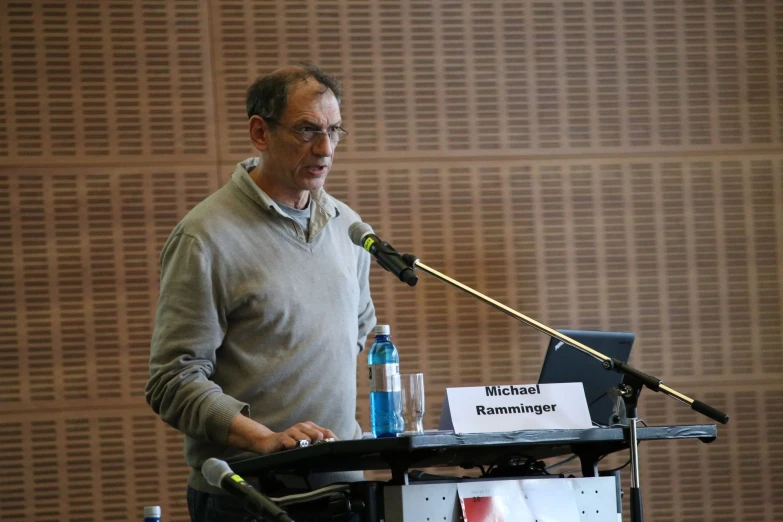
{"x": 408, "y": 497}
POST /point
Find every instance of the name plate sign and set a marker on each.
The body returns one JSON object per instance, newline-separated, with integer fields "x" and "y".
{"x": 491, "y": 409}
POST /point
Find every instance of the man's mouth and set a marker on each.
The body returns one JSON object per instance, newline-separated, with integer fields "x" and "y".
{"x": 316, "y": 170}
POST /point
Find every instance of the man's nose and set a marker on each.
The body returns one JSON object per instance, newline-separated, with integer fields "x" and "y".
{"x": 323, "y": 146}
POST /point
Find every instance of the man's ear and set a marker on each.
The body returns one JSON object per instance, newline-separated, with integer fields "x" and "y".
{"x": 259, "y": 132}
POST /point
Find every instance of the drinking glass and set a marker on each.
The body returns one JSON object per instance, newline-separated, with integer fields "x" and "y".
{"x": 412, "y": 402}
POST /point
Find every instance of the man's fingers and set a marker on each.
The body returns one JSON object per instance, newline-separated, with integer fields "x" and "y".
{"x": 290, "y": 437}
{"x": 315, "y": 431}
{"x": 287, "y": 441}
{"x": 308, "y": 431}
{"x": 313, "y": 434}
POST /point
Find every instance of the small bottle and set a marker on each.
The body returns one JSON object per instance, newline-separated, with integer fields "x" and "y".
{"x": 151, "y": 513}
{"x": 384, "y": 362}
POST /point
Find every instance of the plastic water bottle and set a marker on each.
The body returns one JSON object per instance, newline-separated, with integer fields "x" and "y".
{"x": 384, "y": 361}
{"x": 151, "y": 513}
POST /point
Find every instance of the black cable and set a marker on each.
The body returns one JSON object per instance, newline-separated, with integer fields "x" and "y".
{"x": 556, "y": 464}
{"x": 599, "y": 459}
{"x": 604, "y": 394}
{"x": 624, "y": 465}
{"x": 615, "y": 469}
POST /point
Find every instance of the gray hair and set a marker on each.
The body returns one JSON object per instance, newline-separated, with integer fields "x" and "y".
{"x": 268, "y": 96}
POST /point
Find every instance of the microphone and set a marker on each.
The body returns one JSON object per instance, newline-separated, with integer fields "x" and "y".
{"x": 362, "y": 235}
{"x": 219, "y": 474}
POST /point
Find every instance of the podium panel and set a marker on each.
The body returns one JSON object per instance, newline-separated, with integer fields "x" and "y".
{"x": 562, "y": 499}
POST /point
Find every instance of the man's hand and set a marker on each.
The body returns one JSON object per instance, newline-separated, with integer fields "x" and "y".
{"x": 249, "y": 435}
{"x": 287, "y": 439}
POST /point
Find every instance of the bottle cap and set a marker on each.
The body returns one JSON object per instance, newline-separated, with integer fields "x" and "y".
{"x": 382, "y": 329}
{"x": 151, "y": 511}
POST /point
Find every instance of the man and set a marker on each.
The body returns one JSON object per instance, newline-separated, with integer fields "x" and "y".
{"x": 264, "y": 301}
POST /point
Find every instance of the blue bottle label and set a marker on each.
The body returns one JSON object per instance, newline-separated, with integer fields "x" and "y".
{"x": 384, "y": 378}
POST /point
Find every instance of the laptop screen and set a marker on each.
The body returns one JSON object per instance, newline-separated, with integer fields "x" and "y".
{"x": 565, "y": 363}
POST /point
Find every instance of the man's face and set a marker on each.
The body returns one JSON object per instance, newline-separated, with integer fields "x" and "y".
{"x": 295, "y": 165}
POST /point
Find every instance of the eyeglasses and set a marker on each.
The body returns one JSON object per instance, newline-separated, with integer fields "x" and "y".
{"x": 336, "y": 134}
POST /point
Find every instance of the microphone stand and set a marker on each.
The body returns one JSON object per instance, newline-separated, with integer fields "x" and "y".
{"x": 633, "y": 380}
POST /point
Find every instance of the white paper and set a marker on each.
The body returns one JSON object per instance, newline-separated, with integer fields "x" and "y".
{"x": 493, "y": 501}
{"x": 551, "y": 502}
{"x": 490, "y": 409}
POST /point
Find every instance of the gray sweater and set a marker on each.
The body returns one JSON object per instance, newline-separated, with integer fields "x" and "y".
{"x": 256, "y": 316}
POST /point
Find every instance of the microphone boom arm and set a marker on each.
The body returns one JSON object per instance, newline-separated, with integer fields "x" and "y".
{"x": 633, "y": 380}
{"x": 608, "y": 363}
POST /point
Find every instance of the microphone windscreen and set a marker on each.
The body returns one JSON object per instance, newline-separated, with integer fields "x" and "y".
{"x": 214, "y": 470}
{"x": 357, "y": 231}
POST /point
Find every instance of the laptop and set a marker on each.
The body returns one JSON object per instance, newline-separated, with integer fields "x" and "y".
{"x": 565, "y": 363}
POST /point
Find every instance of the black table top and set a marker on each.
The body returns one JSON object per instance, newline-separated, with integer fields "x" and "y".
{"x": 464, "y": 450}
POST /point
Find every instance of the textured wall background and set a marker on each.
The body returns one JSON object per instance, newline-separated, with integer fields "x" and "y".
{"x": 612, "y": 164}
